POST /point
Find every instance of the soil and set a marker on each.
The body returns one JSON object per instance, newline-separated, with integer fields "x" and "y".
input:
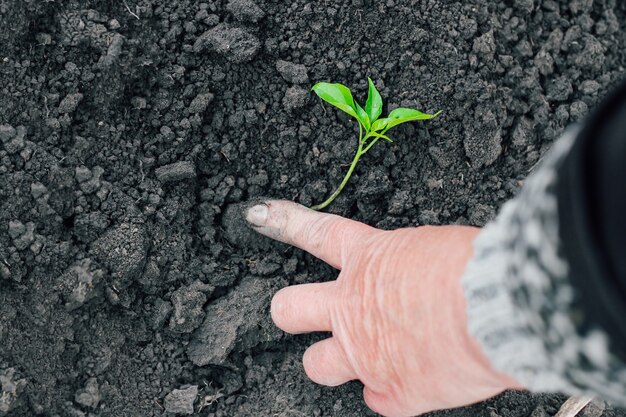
{"x": 132, "y": 133}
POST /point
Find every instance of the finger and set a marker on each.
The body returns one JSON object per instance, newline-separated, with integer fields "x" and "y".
{"x": 325, "y": 363}
{"x": 326, "y": 236}
{"x": 304, "y": 308}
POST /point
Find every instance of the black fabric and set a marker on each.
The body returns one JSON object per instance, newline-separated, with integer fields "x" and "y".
{"x": 592, "y": 216}
{"x": 610, "y": 192}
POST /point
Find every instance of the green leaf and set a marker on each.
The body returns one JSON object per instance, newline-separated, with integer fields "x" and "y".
{"x": 374, "y": 104}
{"x": 337, "y": 95}
{"x": 379, "y": 124}
{"x": 362, "y": 116}
{"x": 402, "y": 115}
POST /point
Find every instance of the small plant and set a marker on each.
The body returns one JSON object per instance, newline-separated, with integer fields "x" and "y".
{"x": 371, "y": 127}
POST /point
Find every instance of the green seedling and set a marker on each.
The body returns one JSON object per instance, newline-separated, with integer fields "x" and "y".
{"x": 371, "y": 127}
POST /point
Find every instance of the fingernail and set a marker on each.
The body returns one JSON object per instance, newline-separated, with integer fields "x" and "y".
{"x": 257, "y": 215}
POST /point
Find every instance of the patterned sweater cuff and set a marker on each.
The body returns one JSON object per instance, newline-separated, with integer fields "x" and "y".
{"x": 503, "y": 328}
{"x": 520, "y": 301}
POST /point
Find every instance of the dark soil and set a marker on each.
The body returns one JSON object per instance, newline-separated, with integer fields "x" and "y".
{"x": 133, "y": 132}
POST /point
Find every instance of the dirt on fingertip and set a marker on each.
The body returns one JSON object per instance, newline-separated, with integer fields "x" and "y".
{"x": 133, "y": 135}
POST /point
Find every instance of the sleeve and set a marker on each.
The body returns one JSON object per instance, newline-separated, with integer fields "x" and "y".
{"x": 546, "y": 288}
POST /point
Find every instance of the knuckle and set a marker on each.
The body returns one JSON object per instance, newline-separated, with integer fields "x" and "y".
{"x": 280, "y": 220}
{"x": 316, "y": 233}
{"x": 290, "y": 225}
{"x": 357, "y": 235}
{"x": 333, "y": 231}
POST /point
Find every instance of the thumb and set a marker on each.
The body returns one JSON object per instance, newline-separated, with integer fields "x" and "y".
{"x": 326, "y": 236}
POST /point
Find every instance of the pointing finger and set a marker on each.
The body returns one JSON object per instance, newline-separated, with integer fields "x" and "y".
{"x": 326, "y": 236}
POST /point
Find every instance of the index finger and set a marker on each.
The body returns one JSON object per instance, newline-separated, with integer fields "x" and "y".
{"x": 328, "y": 237}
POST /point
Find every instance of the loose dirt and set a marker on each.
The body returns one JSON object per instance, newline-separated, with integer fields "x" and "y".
{"x": 132, "y": 133}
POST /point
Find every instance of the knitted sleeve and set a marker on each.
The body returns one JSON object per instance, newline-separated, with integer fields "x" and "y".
{"x": 523, "y": 305}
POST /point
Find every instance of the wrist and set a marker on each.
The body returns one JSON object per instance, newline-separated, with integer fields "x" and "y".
{"x": 493, "y": 380}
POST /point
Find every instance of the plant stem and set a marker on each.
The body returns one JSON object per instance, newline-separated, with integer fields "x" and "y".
{"x": 355, "y": 161}
{"x": 370, "y": 145}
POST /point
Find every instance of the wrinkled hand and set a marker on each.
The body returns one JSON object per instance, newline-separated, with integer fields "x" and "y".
{"x": 396, "y": 311}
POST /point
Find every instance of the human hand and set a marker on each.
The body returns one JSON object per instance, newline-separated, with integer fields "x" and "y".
{"x": 396, "y": 311}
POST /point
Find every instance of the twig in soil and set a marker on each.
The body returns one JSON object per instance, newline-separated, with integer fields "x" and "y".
{"x": 157, "y": 403}
{"x": 573, "y": 406}
{"x": 143, "y": 176}
{"x": 45, "y": 106}
{"x": 535, "y": 165}
{"x": 131, "y": 12}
